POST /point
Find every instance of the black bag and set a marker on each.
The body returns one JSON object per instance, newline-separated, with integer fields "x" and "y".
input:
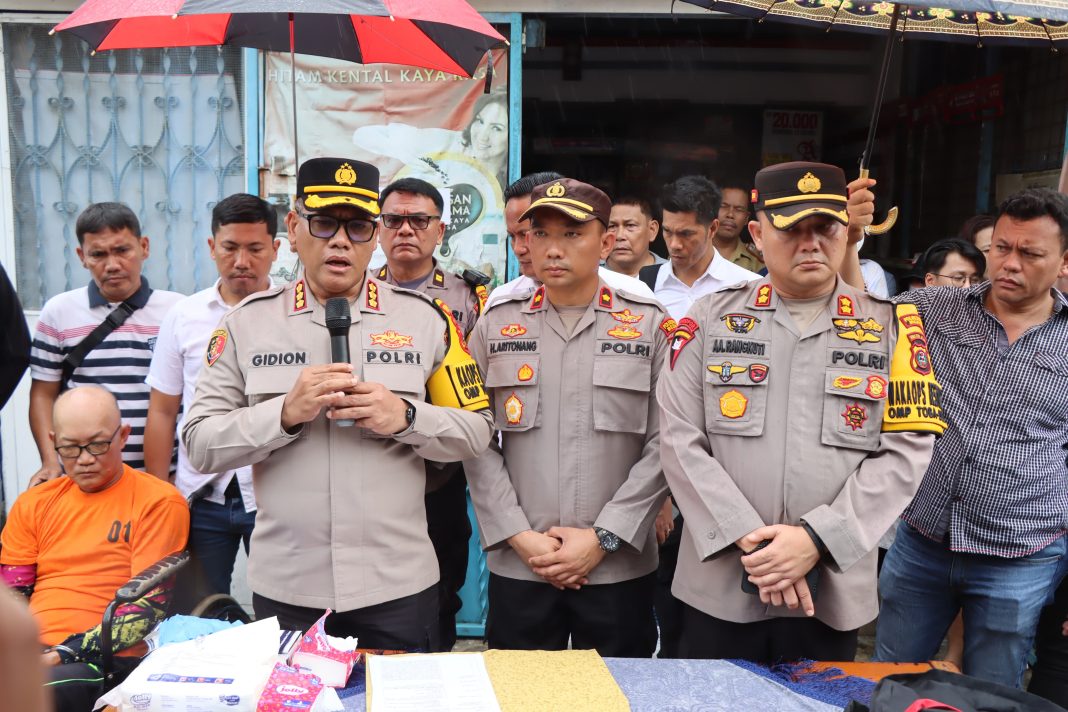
{"x": 75, "y": 356}
{"x": 941, "y": 690}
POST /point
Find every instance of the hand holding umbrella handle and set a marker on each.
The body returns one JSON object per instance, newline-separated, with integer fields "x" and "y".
{"x": 886, "y": 225}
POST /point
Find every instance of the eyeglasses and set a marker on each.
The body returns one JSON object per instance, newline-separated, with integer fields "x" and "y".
{"x": 326, "y": 226}
{"x": 960, "y": 280}
{"x": 418, "y": 222}
{"x": 731, "y": 209}
{"x": 95, "y": 448}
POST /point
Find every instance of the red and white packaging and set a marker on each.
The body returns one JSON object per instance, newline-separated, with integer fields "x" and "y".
{"x": 328, "y": 658}
{"x": 288, "y": 689}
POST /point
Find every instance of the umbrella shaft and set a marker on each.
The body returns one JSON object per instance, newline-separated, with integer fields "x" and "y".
{"x": 293, "y": 92}
{"x": 880, "y": 91}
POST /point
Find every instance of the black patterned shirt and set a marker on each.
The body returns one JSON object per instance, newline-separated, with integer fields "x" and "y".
{"x": 998, "y": 479}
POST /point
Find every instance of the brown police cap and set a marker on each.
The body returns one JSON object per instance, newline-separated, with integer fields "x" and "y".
{"x": 579, "y": 201}
{"x": 323, "y": 182}
{"x": 790, "y": 192}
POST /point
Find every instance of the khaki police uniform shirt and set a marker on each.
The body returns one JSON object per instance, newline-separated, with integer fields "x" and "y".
{"x": 579, "y": 427}
{"x": 341, "y": 521}
{"x": 764, "y": 425}
{"x": 465, "y": 302}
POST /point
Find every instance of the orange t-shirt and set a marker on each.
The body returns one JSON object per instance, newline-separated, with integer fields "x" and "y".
{"x": 86, "y": 546}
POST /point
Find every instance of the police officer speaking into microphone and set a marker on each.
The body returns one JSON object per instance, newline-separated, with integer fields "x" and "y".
{"x": 341, "y": 521}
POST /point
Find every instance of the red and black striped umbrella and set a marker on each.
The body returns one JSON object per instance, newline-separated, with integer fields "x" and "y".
{"x": 446, "y": 35}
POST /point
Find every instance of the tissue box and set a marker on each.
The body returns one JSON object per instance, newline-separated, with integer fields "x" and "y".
{"x": 328, "y": 658}
{"x": 288, "y": 689}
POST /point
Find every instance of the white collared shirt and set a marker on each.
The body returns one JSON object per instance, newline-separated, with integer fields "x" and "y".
{"x": 615, "y": 280}
{"x": 677, "y": 298}
{"x": 176, "y": 363}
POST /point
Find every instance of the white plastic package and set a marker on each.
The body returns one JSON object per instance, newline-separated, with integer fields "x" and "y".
{"x": 222, "y": 671}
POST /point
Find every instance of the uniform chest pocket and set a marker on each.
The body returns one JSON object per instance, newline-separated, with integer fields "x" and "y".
{"x": 399, "y": 378}
{"x": 621, "y": 394}
{"x": 853, "y": 404}
{"x": 513, "y": 384}
{"x": 736, "y": 396}
{"x": 266, "y": 382}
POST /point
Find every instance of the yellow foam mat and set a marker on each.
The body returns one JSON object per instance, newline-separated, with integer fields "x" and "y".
{"x": 551, "y": 681}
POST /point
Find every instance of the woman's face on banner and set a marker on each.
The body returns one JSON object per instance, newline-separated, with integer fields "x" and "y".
{"x": 489, "y": 133}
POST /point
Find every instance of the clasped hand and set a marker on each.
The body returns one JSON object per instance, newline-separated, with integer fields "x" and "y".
{"x": 563, "y": 556}
{"x": 778, "y": 570}
{"x": 334, "y": 386}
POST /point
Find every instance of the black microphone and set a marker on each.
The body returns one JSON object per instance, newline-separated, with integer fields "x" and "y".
{"x": 338, "y": 320}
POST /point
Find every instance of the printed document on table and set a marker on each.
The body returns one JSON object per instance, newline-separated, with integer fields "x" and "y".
{"x": 448, "y": 682}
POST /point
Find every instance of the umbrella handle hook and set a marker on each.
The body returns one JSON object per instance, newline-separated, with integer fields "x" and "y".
{"x": 886, "y": 225}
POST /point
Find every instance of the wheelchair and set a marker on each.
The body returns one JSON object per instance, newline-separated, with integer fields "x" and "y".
{"x": 217, "y": 606}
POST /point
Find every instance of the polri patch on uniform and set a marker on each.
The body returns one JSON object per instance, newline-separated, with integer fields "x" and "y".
{"x": 627, "y": 317}
{"x": 845, "y": 383}
{"x": 391, "y": 339}
{"x": 855, "y": 416}
{"x": 740, "y": 323}
{"x": 763, "y": 296}
{"x": 481, "y": 296}
{"x": 624, "y": 332}
{"x": 863, "y": 332}
{"x": 513, "y": 409}
{"x": 733, "y": 404}
{"x": 921, "y": 357}
{"x": 845, "y": 306}
{"x": 372, "y": 295}
{"x": 726, "y": 370}
{"x": 300, "y": 297}
{"x": 606, "y": 298}
{"x": 683, "y": 334}
{"x": 513, "y": 330}
{"x": 668, "y": 326}
{"x": 758, "y": 372}
{"x": 538, "y": 300}
{"x": 876, "y": 387}
{"x": 216, "y": 346}
{"x": 865, "y": 359}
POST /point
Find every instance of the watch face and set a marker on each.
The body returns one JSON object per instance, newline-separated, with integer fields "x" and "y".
{"x": 609, "y": 541}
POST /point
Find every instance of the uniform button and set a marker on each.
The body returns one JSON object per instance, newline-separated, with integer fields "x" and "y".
{"x": 957, "y": 498}
{"x": 968, "y": 460}
{"x": 979, "y": 425}
{"x": 711, "y": 535}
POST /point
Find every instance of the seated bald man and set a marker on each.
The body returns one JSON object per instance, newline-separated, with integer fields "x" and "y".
{"x": 71, "y": 542}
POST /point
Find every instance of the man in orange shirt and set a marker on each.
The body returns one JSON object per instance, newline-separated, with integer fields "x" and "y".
{"x": 72, "y": 541}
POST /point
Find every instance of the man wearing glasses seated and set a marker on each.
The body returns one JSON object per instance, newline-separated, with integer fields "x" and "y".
{"x": 341, "y": 521}
{"x": 71, "y": 542}
{"x": 412, "y": 228}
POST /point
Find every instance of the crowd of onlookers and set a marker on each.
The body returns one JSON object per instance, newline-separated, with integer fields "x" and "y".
{"x": 703, "y": 452}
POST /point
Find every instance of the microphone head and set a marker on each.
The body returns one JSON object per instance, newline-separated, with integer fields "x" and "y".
{"x": 338, "y": 315}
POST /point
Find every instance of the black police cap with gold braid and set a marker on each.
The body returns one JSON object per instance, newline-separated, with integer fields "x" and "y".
{"x": 791, "y": 192}
{"x": 323, "y": 182}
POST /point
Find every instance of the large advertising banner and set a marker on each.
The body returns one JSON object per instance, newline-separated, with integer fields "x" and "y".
{"x": 408, "y": 122}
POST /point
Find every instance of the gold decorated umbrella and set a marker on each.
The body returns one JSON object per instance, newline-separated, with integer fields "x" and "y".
{"x": 979, "y": 21}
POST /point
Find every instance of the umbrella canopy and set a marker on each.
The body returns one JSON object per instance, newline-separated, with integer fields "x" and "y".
{"x": 446, "y": 35}
{"x": 970, "y": 20}
{"x": 977, "y": 21}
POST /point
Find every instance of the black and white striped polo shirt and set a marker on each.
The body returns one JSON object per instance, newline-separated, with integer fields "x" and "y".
{"x": 119, "y": 363}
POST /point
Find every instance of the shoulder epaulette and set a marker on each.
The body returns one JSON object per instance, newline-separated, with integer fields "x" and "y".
{"x": 272, "y": 291}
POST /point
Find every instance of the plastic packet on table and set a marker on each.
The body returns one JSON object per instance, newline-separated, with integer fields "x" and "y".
{"x": 222, "y": 671}
{"x": 329, "y": 658}
{"x": 289, "y": 689}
